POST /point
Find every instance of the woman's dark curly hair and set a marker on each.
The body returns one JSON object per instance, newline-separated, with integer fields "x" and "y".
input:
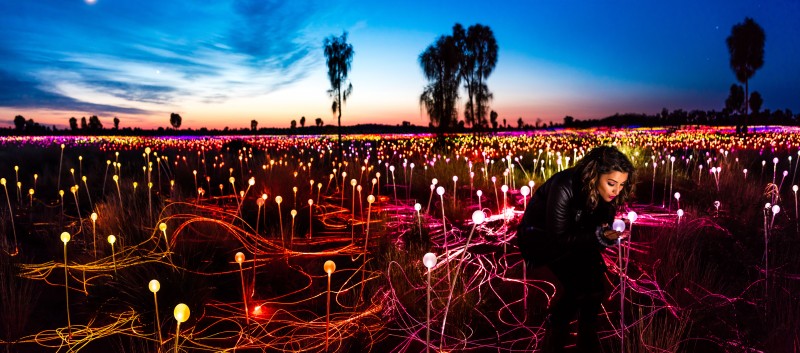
{"x": 602, "y": 160}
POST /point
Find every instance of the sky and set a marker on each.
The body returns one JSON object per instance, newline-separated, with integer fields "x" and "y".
{"x": 224, "y": 63}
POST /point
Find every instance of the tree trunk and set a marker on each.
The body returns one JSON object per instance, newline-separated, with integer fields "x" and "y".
{"x": 339, "y": 130}
{"x": 746, "y": 104}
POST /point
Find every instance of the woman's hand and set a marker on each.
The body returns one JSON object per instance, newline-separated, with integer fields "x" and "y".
{"x": 612, "y": 234}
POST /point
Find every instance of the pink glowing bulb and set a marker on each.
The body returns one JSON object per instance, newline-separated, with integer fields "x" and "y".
{"x": 776, "y": 209}
{"x": 440, "y": 191}
{"x": 479, "y": 193}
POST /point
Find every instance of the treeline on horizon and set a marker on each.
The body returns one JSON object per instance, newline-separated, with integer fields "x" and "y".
{"x": 666, "y": 118}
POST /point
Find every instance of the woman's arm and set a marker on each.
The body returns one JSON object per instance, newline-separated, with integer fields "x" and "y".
{"x": 561, "y": 227}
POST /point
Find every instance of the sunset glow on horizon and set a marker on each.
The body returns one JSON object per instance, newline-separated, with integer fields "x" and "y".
{"x": 227, "y": 63}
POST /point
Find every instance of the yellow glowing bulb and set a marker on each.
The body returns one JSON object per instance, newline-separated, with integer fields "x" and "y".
{"x": 239, "y": 257}
{"x": 3, "y": 181}
{"x": 94, "y": 216}
{"x": 278, "y": 199}
{"x": 329, "y": 266}
{"x": 162, "y": 227}
{"x": 370, "y": 199}
{"x": 112, "y": 239}
{"x": 293, "y": 213}
{"x": 252, "y": 181}
{"x": 154, "y": 286}
{"x": 181, "y": 313}
{"x": 30, "y": 191}
{"x": 115, "y": 177}
{"x": 231, "y": 180}
{"x": 147, "y": 150}
{"x": 65, "y": 237}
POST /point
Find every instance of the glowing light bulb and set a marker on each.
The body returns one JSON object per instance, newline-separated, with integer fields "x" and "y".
{"x": 112, "y": 239}
{"x": 776, "y": 209}
{"x": 525, "y": 190}
{"x": 65, "y": 237}
{"x": 618, "y": 225}
{"x": 278, "y": 199}
{"x": 181, "y": 313}
{"x": 154, "y": 286}
{"x": 239, "y": 257}
{"x": 252, "y": 181}
{"x": 440, "y": 191}
{"x": 632, "y": 216}
{"x": 417, "y": 206}
{"x": 162, "y": 227}
{"x": 677, "y": 196}
{"x": 504, "y": 188}
{"x": 329, "y": 267}
{"x": 478, "y": 217}
{"x": 794, "y": 188}
{"x": 370, "y": 199}
{"x": 680, "y": 213}
{"x": 434, "y": 181}
{"x": 429, "y": 260}
{"x": 479, "y": 193}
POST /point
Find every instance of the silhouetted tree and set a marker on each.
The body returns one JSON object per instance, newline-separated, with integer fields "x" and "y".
{"x": 73, "y": 124}
{"x": 746, "y": 46}
{"x": 302, "y": 121}
{"x": 294, "y": 124}
{"x": 735, "y": 101}
{"x": 440, "y": 63}
{"x": 504, "y": 123}
{"x": 31, "y": 126}
{"x": 520, "y": 123}
{"x": 478, "y": 48}
{"x": 319, "y": 122}
{"x": 84, "y": 125}
{"x": 94, "y": 123}
{"x": 175, "y": 120}
{"x": 19, "y": 123}
{"x": 756, "y": 102}
{"x": 116, "y": 123}
{"x": 338, "y": 58}
{"x": 253, "y": 125}
{"x": 568, "y": 120}
{"x": 493, "y": 119}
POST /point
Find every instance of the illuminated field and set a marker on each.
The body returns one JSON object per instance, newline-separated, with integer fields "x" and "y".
{"x": 182, "y": 209}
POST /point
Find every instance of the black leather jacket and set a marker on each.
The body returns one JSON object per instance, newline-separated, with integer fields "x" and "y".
{"x": 557, "y": 222}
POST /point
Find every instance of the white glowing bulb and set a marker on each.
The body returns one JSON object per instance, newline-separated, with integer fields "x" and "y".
{"x": 252, "y": 181}
{"x": 278, "y": 199}
{"x": 632, "y": 216}
{"x": 716, "y": 204}
{"x": 478, "y": 217}
{"x": 794, "y": 188}
{"x": 504, "y": 188}
{"x": 680, "y": 213}
{"x": 455, "y": 178}
{"x": 525, "y": 190}
{"x": 479, "y": 193}
{"x": 417, "y": 206}
{"x": 776, "y": 209}
{"x": 429, "y": 260}
{"x": 618, "y": 225}
{"x": 677, "y": 196}
{"x": 440, "y": 191}
{"x": 434, "y": 181}
{"x": 775, "y": 160}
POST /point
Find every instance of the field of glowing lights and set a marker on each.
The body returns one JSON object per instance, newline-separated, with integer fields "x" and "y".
{"x": 282, "y": 244}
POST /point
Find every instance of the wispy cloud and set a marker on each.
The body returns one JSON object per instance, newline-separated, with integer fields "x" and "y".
{"x": 152, "y": 56}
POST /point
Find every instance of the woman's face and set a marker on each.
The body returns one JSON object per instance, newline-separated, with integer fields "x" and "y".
{"x": 610, "y": 184}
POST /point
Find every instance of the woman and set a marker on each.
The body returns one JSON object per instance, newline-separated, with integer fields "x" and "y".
{"x": 565, "y": 227}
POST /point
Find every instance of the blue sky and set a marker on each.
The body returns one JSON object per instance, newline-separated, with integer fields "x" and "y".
{"x": 224, "y": 63}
